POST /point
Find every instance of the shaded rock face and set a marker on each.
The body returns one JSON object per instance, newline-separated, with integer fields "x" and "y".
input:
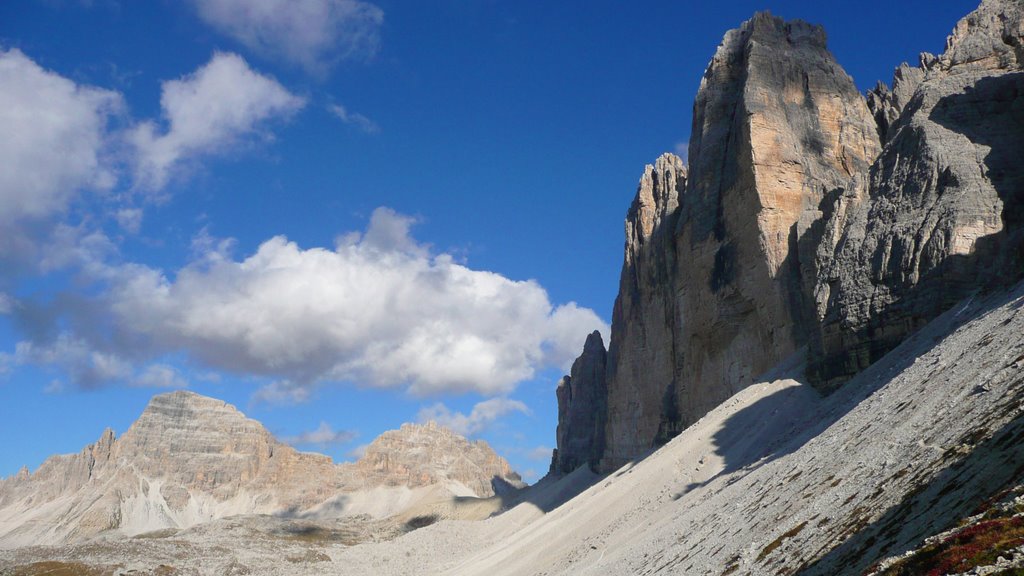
{"x": 189, "y": 459}
{"x": 582, "y": 410}
{"x": 641, "y": 371}
{"x": 420, "y": 455}
{"x": 721, "y": 262}
{"x": 943, "y": 214}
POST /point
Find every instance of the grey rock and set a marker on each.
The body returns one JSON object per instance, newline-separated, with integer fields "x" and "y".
{"x": 721, "y": 263}
{"x": 641, "y": 366}
{"x": 582, "y": 410}
{"x": 944, "y": 212}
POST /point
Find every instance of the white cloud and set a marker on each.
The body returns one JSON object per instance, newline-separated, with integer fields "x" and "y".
{"x": 314, "y": 34}
{"x": 378, "y": 310}
{"x": 160, "y": 376}
{"x": 6, "y": 303}
{"x": 207, "y": 112}
{"x": 354, "y": 119}
{"x": 324, "y": 435}
{"x": 53, "y": 145}
{"x": 480, "y": 417}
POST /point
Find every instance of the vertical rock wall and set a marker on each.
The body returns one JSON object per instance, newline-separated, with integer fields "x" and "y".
{"x": 943, "y": 216}
{"x": 720, "y": 262}
{"x": 582, "y": 410}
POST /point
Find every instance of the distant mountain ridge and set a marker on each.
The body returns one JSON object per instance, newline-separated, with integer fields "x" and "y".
{"x": 190, "y": 459}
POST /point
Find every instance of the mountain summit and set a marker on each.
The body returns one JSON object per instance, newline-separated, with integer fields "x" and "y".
{"x": 190, "y": 459}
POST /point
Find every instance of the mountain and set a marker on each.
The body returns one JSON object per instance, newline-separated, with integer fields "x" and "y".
{"x": 816, "y": 366}
{"x": 190, "y": 459}
{"x": 810, "y": 218}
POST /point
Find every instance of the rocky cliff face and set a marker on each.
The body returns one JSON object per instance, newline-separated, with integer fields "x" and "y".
{"x": 944, "y": 210}
{"x": 190, "y": 459}
{"x": 641, "y": 366}
{"x": 793, "y": 226}
{"x": 582, "y": 410}
{"x": 720, "y": 260}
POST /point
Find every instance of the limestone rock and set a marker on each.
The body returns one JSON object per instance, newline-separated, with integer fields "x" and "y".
{"x": 189, "y": 459}
{"x": 718, "y": 277}
{"x": 944, "y": 213}
{"x": 641, "y": 369}
{"x": 582, "y": 410}
{"x": 886, "y": 105}
{"x": 419, "y": 455}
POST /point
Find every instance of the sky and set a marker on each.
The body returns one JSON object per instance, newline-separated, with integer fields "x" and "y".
{"x": 341, "y": 215}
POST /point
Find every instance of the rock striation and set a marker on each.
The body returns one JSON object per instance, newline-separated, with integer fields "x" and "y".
{"x": 943, "y": 213}
{"x": 189, "y": 459}
{"x": 420, "y": 455}
{"x": 721, "y": 257}
{"x": 811, "y": 218}
{"x": 641, "y": 369}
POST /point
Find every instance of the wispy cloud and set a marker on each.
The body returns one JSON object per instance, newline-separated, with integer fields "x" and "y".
{"x": 324, "y": 435}
{"x": 354, "y": 119}
{"x": 482, "y": 416}
{"x": 314, "y": 34}
{"x": 539, "y": 454}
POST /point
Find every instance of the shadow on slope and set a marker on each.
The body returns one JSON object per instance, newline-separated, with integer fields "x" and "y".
{"x": 981, "y": 463}
{"x": 936, "y": 505}
{"x": 552, "y": 491}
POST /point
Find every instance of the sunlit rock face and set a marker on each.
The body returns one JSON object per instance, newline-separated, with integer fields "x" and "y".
{"x": 190, "y": 459}
{"x": 721, "y": 259}
{"x": 419, "y": 455}
{"x": 812, "y": 216}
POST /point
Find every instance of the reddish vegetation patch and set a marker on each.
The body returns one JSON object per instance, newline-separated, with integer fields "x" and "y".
{"x": 977, "y": 545}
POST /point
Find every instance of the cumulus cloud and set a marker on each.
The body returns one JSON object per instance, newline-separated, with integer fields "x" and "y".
{"x": 354, "y": 119}
{"x": 207, "y": 112}
{"x": 479, "y": 418}
{"x": 378, "y": 310}
{"x": 314, "y": 34}
{"x": 53, "y": 145}
{"x": 324, "y": 435}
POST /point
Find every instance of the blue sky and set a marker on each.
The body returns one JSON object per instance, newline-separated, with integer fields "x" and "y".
{"x": 344, "y": 215}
